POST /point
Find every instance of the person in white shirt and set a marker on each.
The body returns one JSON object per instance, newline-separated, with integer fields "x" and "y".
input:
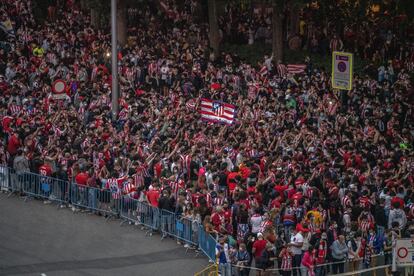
{"x": 347, "y": 220}
{"x": 256, "y": 221}
{"x": 222, "y": 256}
{"x": 296, "y": 243}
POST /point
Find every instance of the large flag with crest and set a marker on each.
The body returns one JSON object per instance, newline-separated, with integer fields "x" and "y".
{"x": 217, "y": 111}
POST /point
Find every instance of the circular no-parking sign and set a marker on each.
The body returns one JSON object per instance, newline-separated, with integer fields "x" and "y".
{"x": 59, "y": 86}
{"x": 341, "y": 66}
{"x": 402, "y": 252}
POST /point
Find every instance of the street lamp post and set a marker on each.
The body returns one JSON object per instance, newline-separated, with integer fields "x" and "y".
{"x": 114, "y": 50}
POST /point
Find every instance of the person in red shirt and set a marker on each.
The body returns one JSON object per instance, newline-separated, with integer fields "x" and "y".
{"x": 153, "y": 196}
{"x": 13, "y": 143}
{"x": 6, "y": 122}
{"x": 228, "y": 218}
{"x": 397, "y": 199}
{"x": 231, "y": 179}
{"x": 45, "y": 170}
{"x": 276, "y": 202}
{"x": 245, "y": 172}
{"x": 280, "y": 188}
{"x": 258, "y": 246}
{"x": 82, "y": 178}
{"x": 296, "y": 197}
{"x": 217, "y": 218}
{"x": 196, "y": 197}
{"x": 364, "y": 200}
{"x": 45, "y": 187}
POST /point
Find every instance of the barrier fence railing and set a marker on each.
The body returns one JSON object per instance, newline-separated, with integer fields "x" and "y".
{"x": 110, "y": 204}
{"x": 97, "y": 200}
{"x": 39, "y": 186}
{"x": 167, "y": 223}
{"x": 377, "y": 266}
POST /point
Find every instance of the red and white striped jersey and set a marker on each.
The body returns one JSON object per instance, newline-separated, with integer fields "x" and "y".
{"x": 263, "y": 71}
{"x": 138, "y": 180}
{"x": 130, "y": 74}
{"x": 14, "y": 109}
{"x": 364, "y": 201}
{"x": 176, "y": 186}
{"x": 253, "y": 153}
{"x": 346, "y": 202}
{"x": 115, "y": 185}
{"x": 185, "y": 162}
{"x": 86, "y": 143}
{"x": 129, "y": 188}
{"x": 286, "y": 261}
{"x": 152, "y": 69}
{"x": 188, "y": 196}
{"x": 218, "y": 201}
{"x": 411, "y": 210}
{"x": 57, "y": 131}
{"x": 265, "y": 224}
{"x": 30, "y": 112}
{"x": 365, "y": 225}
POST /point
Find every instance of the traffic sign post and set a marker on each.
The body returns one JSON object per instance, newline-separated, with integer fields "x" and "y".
{"x": 342, "y": 70}
{"x": 405, "y": 252}
{"x": 59, "y": 87}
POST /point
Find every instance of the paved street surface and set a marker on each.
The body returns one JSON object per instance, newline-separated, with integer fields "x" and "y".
{"x": 43, "y": 240}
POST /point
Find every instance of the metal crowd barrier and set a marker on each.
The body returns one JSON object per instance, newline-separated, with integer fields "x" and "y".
{"x": 102, "y": 201}
{"x": 179, "y": 227}
{"x": 155, "y": 219}
{"x": 5, "y": 179}
{"x": 207, "y": 243}
{"x": 94, "y": 199}
{"x": 376, "y": 267}
{"x": 211, "y": 270}
{"x": 44, "y": 187}
{"x": 139, "y": 213}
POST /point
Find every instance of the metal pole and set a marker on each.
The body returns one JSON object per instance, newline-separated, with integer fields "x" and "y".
{"x": 115, "y": 94}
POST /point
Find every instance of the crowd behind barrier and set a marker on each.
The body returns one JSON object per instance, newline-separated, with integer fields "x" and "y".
{"x": 100, "y": 201}
{"x": 300, "y": 162}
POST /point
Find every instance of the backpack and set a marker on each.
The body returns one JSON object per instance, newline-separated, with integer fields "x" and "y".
{"x": 20, "y": 165}
{"x": 353, "y": 245}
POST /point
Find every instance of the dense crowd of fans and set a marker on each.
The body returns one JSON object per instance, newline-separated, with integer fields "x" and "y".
{"x": 305, "y": 175}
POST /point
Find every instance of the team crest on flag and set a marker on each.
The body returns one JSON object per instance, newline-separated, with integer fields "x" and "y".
{"x": 217, "y": 111}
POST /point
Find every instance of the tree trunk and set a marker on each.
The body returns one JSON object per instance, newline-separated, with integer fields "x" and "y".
{"x": 83, "y": 4}
{"x": 293, "y": 20}
{"x": 121, "y": 17}
{"x": 277, "y": 34}
{"x": 214, "y": 30}
{"x": 95, "y": 18}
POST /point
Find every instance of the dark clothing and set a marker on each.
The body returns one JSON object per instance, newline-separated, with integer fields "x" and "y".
{"x": 194, "y": 167}
{"x": 296, "y": 261}
{"x": 337, "y": 266}
{"x": 379, "y": 215}
{"x": 166, "y": 203}
{"x": 265, "y": 262}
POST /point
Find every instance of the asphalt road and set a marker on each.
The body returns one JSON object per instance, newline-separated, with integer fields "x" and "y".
{"x": 37, "y": 239}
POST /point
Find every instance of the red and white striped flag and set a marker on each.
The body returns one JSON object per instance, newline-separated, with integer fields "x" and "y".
{"x": 216, "y": 111}
{"x": 296, "y": 68}
{"x": 191, "y": 103}
{"x": 263, "y": 71}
